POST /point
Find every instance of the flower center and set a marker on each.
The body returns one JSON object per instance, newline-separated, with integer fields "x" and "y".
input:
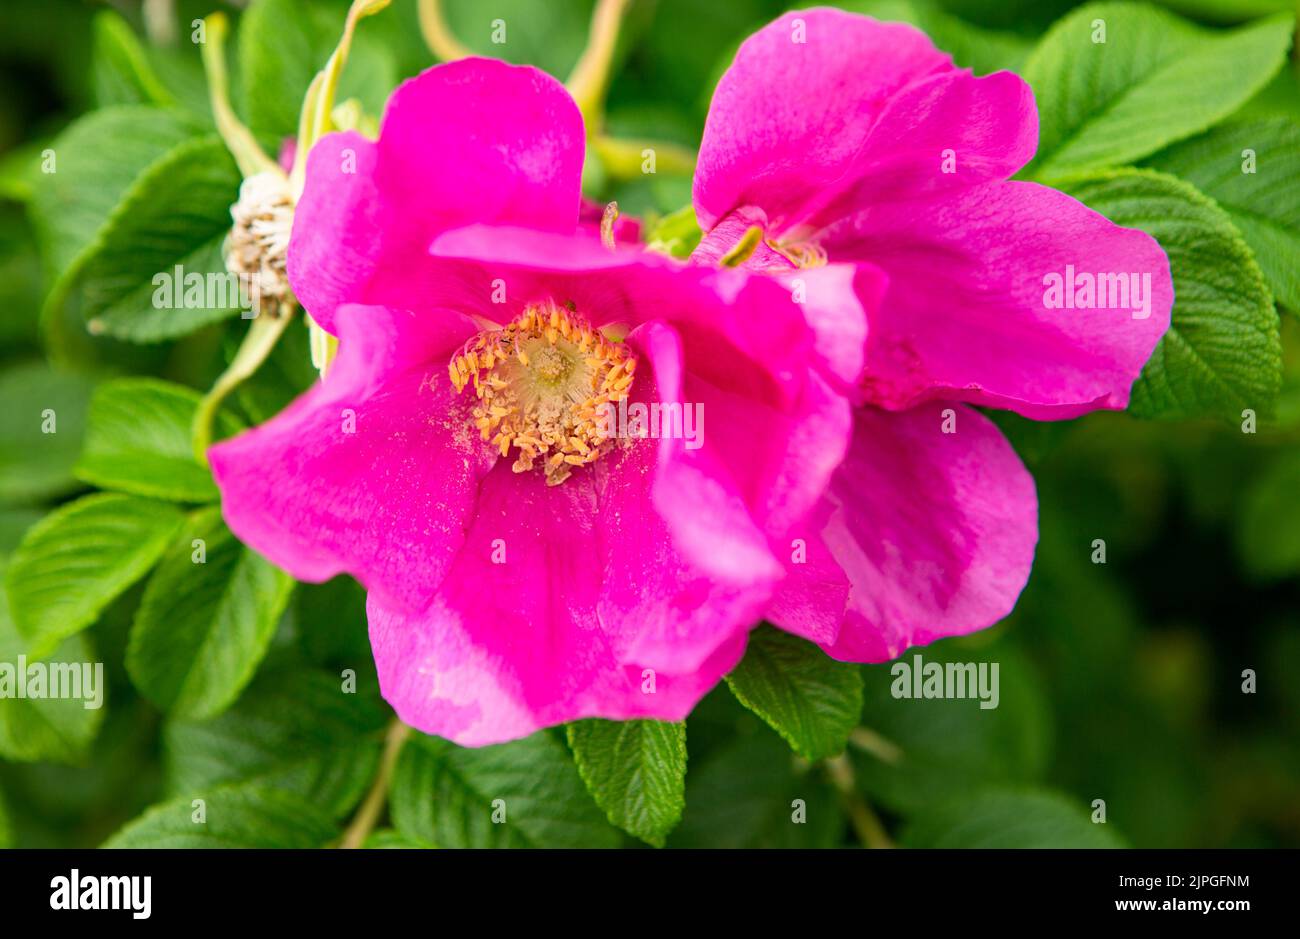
{"x": 542, "y": 382}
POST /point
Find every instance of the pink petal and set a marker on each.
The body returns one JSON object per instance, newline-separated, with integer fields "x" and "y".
{"x": 964, "y": 316}
{"x": 372, "y": 472}
{"x": 935, "y": 532}
{"x": 469, "y": 141}
{"x": 544, "y": 635}
{"x": 804, "y": 123}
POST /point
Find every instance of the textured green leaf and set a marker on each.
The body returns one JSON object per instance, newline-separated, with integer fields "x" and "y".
{"x": 636, "y": 772}
{"x": 388, "y": 838}
{"x": 138, "y": 441}
{"x": 120, "y": 69}
{"x": 202, "y": 628}
{"x": 293, "y": 730}
{"x": 444, "y": 795}
{"x": 79, "y": 558}
{"x": 277, "y": 64}
{"x": 1223, "y": 352}
{"x": 1155, "y": 80}
{"x": 57, "y": 730}
{"x": 1263, "y": 204}
{"x": 35, "y": 465}
{"x": 241, "y": 817}
{"x": 167, "y": 232}
{"x": 806, "y": 696}
{"x": 1008, "y": 818}
{"x": 98, "y": 158}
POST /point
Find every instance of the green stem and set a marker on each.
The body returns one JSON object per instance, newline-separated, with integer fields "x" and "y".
{"x": 589, "y": 80}
{"x": 866, "y": 825}
{"x": 363, "y": 823}
{"x": 622, "y": 157}
{"x": 243, "y": 146}
{"x": 437, "y": 35}
{"x": 261, "y": 338}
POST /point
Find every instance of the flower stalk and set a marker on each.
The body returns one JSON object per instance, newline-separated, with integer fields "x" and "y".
{"x": 363, "y": 823}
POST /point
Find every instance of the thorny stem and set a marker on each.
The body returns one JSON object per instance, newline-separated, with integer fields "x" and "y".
{"x": 260, "y": 339}
{"x": 437, "y": 35}
{"x": 238, "y": 139}
{"x": 865, "y": 823}
{"x": 589, "y": 80}
{"x": 368, "y": 814}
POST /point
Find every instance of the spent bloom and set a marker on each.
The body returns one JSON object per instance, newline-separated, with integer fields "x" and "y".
{"x": 838, "y": 142}
{"x": 528, "y": 562}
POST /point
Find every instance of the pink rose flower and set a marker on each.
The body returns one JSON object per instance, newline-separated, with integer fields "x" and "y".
{"x": 857, "y": 146}
{"x": 529, "y": 560}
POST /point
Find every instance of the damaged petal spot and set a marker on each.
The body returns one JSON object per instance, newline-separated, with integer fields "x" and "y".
{"x": 543, "y": 383}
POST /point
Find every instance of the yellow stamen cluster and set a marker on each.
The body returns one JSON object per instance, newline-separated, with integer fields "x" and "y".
{"x": 542, "y": 382}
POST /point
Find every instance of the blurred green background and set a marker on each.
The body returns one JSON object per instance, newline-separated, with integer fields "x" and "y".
{"x": 1120, "y": 682}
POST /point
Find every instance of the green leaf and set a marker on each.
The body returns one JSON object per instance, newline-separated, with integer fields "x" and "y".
{"x": 1156, "y": 79}
{"x": 120, "y": 69}
{"x": 6, "y": 827}
{"x": 1223, "y": 351}
{"x": 277, "y": 64}
{"x": 1264, "y": 204}
{"x": 806, "y": 696}
{"x": 138, "y": 441}
{"x": 79, "y": 558}
{"x": 751, "y": 794}
{"x": 98, "y": 157}
{"x": 1268, "y": 526}
{"x": 1008, "y": 818}
{"x": 56, "y": 730}
{"x": 35, "y": 465}
{"x": 975, "y": 47}
{"x": 161, "y": 272}
{"x": 446, "y": 795}
{"x": 636, "y": 772}
{"x": 243, "y": 817}
{"x": 387, "y": 838}
{"x": 920, "y": 752}
{"x": 676, "y": 234}
{"x": 203, "y": 626}
{"x": 293, "y": 730}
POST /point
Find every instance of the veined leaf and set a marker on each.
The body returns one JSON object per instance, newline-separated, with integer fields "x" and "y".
{"x": 1116, "y": 82}
{"x": 203, "y": 626}
{"x": 79, "y": 558}
{"x": 806, "y": 696}
{"x": 1223, "y": 351}
{"x": 636, "y": 772}
{"x": 448, "y": 796}
{"x": 138, "y": 441}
